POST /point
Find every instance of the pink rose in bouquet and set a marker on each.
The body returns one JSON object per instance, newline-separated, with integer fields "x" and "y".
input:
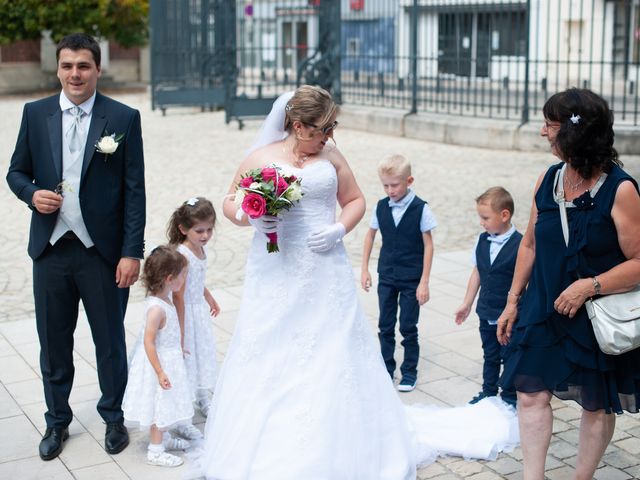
{"x": 246, "y": 182}
{"x": 254, "y": 205}
{"x": 281, "y": 186}
{"x": 267, "y": 191}
{"x": 269, "y": 174}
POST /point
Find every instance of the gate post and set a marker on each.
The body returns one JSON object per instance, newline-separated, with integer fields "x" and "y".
{"x": 525, "y": 104}
{"x": 157, "y": 13}
{"x": 224, "y": 31}
{"x": 413, "y": 53}
{"x": 330, "y": 38}
{"x": 323, "y": 68}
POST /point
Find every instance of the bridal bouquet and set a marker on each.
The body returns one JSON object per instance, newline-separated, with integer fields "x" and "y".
{"x": 267, "y": 191}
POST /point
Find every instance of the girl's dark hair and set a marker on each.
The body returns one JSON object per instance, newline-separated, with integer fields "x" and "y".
{"x": 161, "y": 262}
{"x": 194, "y": 210}
{"x": 586, "y": 143}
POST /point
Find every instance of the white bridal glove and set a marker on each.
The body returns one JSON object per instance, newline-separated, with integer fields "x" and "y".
{"x": 265, "y": 224}
{"x": 326, "y": 239}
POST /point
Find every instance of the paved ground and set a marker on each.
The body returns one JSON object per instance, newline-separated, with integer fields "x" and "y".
{"x": 192, "y": 153}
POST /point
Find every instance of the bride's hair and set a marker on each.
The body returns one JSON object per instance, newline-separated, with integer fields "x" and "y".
{"x": 310, "y": 104}
{"x": 194, "y": 210}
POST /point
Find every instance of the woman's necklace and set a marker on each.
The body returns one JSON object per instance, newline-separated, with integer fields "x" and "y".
{"x": 574, "y": 186}
{"x": 298, "y": 160}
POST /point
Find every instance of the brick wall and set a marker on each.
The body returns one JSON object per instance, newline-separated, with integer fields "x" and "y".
{"x": 118, "y": 52}
{"x": 22, "y": 51}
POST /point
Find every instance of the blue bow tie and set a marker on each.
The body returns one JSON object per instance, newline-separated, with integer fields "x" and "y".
{"x": 400, "y": 203}
{"x": 498, "y": 239}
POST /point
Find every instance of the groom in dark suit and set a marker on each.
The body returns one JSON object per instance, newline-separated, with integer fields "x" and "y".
{"x": 86, "y": 192}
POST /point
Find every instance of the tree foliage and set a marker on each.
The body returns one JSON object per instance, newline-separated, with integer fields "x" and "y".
{"x": 124, "y": 21}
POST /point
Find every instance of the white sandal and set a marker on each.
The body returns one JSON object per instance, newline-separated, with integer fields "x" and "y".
{"x": 204, "y": 405}
{"x": 188, "y": 432}
{"x": 173, "y": 443}
{"x": 163, "y": 459}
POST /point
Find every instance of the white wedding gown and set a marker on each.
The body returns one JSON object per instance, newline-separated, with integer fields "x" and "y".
{"x": 303, "y": 392}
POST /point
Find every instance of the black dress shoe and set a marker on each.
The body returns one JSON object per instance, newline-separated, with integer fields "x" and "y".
{"x": 51, "y": 443}
{"x": 116, "y": 439}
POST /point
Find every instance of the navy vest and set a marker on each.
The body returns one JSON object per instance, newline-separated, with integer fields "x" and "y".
{"x": 402, "y": 252}
{"x": 496, "y": 277}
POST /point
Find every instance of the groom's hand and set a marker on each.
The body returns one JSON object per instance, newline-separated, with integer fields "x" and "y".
{"x": 127, "y": 272}
{"x": 46, "y": 201}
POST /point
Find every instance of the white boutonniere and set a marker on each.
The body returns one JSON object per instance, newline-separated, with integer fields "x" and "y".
{"x": 63, "y": 187}
{"x": 108, "y": 144}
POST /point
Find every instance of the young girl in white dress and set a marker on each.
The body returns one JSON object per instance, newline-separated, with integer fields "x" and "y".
{"x": 190, "y": 229}
{"x": 158, "y": 395}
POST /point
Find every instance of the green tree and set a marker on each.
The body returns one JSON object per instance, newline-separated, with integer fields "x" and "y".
{"x": 124, "y": 21}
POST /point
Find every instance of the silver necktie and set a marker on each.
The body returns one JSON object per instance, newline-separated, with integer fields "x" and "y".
{"x": 74, "y": 134}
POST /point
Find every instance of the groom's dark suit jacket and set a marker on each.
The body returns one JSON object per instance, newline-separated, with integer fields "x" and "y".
{"x": 112, "y": 202}
{"x": 112, "y": 193}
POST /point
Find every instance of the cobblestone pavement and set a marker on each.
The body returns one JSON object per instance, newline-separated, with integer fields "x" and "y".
{"x": 190, "y": 153}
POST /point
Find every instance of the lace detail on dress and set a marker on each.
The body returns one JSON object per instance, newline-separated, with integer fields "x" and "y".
{"x": 305, "y": 419}
{"x": 199, "y": 339}
{"x": 248, "y": 347}
{"x": 303, "y": 343}
{"x": 145, "y": 402}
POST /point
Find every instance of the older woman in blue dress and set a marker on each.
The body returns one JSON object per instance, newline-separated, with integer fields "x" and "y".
{"x": 555, "y": 350}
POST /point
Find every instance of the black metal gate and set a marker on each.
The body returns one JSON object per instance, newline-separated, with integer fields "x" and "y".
{"x": 473, "y": 58}
{"x": 240, "y": 54}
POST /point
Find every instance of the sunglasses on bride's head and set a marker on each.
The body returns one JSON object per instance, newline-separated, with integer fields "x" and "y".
{"x": 326, "y": 129}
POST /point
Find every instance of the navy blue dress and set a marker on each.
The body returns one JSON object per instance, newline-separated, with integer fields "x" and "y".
{"x": 552, "y": 351}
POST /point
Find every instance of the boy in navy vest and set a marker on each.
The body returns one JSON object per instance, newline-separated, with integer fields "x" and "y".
{"x": 405, "y": 222}
{"x": 494, "y": 259}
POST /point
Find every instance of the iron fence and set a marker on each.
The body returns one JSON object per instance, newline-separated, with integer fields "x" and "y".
{"x": 483, "y": 58}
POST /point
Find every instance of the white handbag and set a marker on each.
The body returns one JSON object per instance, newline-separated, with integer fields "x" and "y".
{"x": 615, "y": 318}
{"x": 616, "y": 321}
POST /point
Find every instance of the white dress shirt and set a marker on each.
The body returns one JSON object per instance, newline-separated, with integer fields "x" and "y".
{"x": 496, "y": 244}
{"x": 427, "y": 220}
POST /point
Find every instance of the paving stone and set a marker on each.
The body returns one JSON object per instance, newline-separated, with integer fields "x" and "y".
{"x": 562, "y": 473}
{"x": 516, "y": 454}
{"x": 505, "y": 465}
{"x": 105, "y": 471}
{"x": 8, "y": 407}
{"x": 552, "y": 463}
{"x": 81, "y": 451}
{"x": 566, "y": 414}
{"x": 32, "y": 468}
{"x": 620, "y": 434}
{"x": 561, "y": 426}
{"x": 627, "y": 422}
{"x": 633, "y": 472}
{"x": 570, "y": 436}
{"x": 620, "y": 459}
{"x": 631, "y": 445}
{"x": 562, "y": 449}
{"x": 465, "y": 468}
{"x": 485, "y": 476}
{"x": 610, "y": 473}
{"x": 19, "y": 439}
{"x": 515, "y": 476}
{"x": 435, "y": 470}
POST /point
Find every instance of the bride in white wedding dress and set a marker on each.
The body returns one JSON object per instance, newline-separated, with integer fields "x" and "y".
{"x": 303, "y": 392}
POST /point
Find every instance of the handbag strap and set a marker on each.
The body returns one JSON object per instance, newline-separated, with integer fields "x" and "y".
{"x": 558, "y": 195}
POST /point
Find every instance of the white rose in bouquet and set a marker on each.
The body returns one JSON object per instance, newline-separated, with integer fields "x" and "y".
{"x": 294, "y": 192}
